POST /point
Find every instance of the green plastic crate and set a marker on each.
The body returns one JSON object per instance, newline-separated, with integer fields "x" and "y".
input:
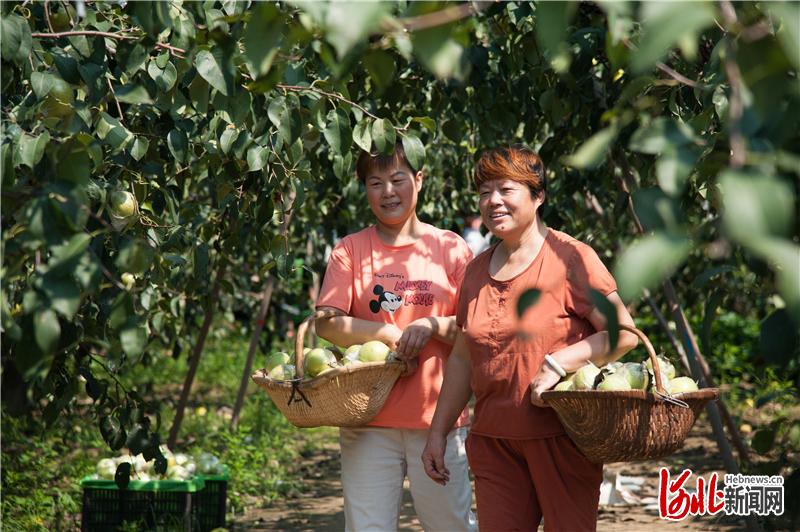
{"x": 152, "y": 504}
{"x": 210, "y": 504}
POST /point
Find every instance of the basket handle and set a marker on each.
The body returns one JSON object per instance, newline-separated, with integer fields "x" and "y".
{"x": 651, "y": 353}
{"x": 301, "y": 333}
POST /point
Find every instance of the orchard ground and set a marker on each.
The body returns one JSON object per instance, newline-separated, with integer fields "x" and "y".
{"x": 283, "y": 478}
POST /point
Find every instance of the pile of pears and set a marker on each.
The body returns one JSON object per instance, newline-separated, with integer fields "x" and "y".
{"x": 318, "y": 361}
{"x": 618, "y": 376}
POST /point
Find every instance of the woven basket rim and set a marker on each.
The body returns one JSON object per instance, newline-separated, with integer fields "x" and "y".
{"x": 552, "y": 395}
{"x": 260, "y": 376}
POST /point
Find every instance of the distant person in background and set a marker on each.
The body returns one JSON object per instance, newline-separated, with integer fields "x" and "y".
{"x": 397, "y": 281}
{"x": 472, "y": 234}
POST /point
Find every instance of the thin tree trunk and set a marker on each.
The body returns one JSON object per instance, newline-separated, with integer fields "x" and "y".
{"x": 195, "y": 360}
{"x": 699, "y": 366}
{"x": 266, "y": 297}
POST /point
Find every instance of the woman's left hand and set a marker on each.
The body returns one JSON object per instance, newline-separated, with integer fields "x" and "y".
{"x": 414, "y": 338}
{"x": 544, "y": 380}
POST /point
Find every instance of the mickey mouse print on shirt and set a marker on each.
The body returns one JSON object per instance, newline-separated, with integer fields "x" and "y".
{"x": 386, "y": 300}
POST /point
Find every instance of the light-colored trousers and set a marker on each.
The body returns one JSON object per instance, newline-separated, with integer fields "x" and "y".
{"x": 376, "y": 460}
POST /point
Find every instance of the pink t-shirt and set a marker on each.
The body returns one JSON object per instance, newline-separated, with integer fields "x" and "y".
{"x": 371, "y": 280}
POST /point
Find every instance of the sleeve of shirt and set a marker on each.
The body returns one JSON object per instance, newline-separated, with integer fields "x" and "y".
{"x": 337, "y": 286}
{"x": 586, "y": 272}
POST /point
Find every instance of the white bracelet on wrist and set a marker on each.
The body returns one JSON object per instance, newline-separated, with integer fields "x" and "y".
{"x": 553, "y": 363}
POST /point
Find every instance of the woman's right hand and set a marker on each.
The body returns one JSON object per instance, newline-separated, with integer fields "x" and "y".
{"x": 390, "y": 335}
{"x": 433, "y": 459}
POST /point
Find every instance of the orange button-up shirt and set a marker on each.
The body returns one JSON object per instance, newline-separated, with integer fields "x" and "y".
{"x": 503, "y": 360}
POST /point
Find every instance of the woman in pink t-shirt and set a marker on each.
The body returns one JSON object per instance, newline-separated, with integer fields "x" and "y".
{"x": 397, "y": 281}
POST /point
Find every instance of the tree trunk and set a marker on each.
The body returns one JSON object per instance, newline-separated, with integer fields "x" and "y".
{"x": 195, "y": 360}
{"x": 266, "y": 297}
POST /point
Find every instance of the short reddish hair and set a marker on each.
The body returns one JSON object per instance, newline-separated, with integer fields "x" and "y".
{"x": 369, "y": 162}
{"x": 517, "y": 162}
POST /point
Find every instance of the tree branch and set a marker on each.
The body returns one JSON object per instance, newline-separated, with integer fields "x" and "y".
{"x": 174, "y": 50}
{"x": 297, "y": 88}
{"x": 47, "y": 15}
{"x": 736, "y": 103}
{"x": 677, "y": 76}
{"x": 437, "y": 18}
{"x": 89, "y": 33}
{"x": 114, "y": 94}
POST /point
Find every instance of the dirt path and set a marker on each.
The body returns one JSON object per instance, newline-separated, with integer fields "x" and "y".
{"x": 318, "y": 506}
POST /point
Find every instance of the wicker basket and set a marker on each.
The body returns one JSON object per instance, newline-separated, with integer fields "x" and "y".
{"x": 343, "y": 397}
{"x": 630, "y": 425}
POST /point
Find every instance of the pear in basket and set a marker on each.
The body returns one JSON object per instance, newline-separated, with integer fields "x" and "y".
{"x": 585, "y": 377}
{"x": 682, "y": 384}
{"x": 282, "y": 372}
{"x": 614, "y": 382}
{"x": 636, "y": 374}
{"x": 373, "y": 351}
{"x": 318, "y": 360}
{"x": 276, "y": 359}
{"x": 667, "y": 369}
{"x": 563, "y": 386}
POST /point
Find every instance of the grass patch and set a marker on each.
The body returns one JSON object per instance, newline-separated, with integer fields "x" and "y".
{"x": 41, "y": 469}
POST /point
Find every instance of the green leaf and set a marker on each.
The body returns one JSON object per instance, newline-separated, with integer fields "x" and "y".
{"x": 594, "y": 150}
{"x": 113, "y": 432}
{"x": 415, "y": 151}
{"x": 139, "y": 148}
{"x": 41, "y": 83}
{"x": 438, "y": 51}
{"x": 383, "y": 135}
{"x": 165, "y": 78}
{"x": 122, "y": 476}
{"x": 16, "y": 41}
{"x": 133, "y": 338}
{"x": 656, "y": 211}
{"x": 30, "y": 149}
{"x": 227, "y": 139}
{"x": 756, "y": 205}
{"x": 552, "y": 19}
{"x": 64, "y": 258}
{"x": 135, "y": 256}
{"x": 211, "y": 70}
{"x": 712, "y": 304}
{"x": 789, "y": 31}
{"x": 763, "y": 441}
{"x": 284, "y": 119}
{"x": 362, "y": 135}
{"x": 648, "y": 261}
{"x": 348, "y": 23}
{"x": 667, "y": 23}
{"x": 426, "y": 122}
{"x": 342, "y": 165}
{"x": 73, "y": 163}
{"x": 661, "y": 135}
{"x": 257, "y": 157}
{"x": 779, "y": 339}
{"x": 134, "y": 94}
{"x": 526, "y": 300}
{"x": 263, "y": 37}
{"x": 337, "y": 131}
{"x": 609, "y": 311}
{"x": 381, "y": 68}
{"x": 178, "y": 144}
{"x": 47, "y": 330}
{"x": 112, "y": 131}
{"x": 673, "y": 168}
{"x": 64, "y": 295}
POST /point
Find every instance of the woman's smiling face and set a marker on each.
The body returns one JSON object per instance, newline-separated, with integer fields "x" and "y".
{"x": 392, "y": 193}
{"x": 507, "y": 207}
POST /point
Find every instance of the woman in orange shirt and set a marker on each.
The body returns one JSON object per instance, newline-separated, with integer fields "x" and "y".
{"x": 525, "y": 466}
{"x": 397, "y": 281}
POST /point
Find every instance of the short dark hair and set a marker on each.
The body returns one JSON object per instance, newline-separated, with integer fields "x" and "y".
{"x": 368, "y": 162}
